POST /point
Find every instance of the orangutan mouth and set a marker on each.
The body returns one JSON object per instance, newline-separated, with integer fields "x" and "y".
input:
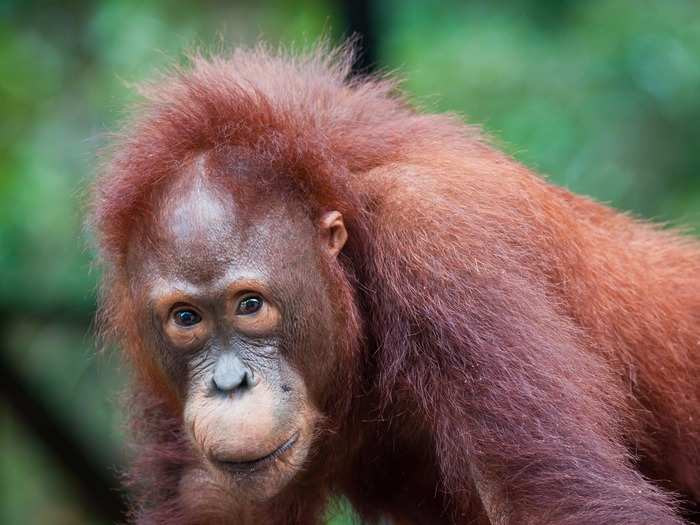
{"x": 243, "y": 467}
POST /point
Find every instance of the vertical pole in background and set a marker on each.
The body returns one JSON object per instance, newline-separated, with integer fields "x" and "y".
{"x": 360, "y": 22}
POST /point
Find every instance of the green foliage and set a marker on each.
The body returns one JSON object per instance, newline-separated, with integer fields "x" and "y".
{"x": 601, "y": 95}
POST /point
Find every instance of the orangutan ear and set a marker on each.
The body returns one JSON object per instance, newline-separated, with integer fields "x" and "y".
{"x": 333, "y": 232}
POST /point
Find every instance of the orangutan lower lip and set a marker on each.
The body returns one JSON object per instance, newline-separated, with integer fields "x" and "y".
{"x": 255, "y": 464}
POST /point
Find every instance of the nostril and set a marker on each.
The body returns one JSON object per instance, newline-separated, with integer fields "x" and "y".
{"x": 244, "y": 383}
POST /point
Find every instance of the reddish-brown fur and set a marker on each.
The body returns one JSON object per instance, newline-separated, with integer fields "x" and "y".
{"x": 526, "y": 353}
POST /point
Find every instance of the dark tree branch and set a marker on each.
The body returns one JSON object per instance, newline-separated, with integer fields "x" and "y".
{"x": 99, "y": 489}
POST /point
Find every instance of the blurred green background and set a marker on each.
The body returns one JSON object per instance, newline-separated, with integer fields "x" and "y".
{"x": 602, "y": 96}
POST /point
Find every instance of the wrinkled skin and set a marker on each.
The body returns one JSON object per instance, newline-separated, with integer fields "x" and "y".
{"x": 221, "y": 303}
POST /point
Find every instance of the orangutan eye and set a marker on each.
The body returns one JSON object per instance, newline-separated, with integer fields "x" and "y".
{"x": 186, "y": 317}
{"x": 249, "y": 305}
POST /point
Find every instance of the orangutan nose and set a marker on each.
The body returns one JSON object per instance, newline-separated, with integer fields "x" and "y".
{"x": 230, "y": 374}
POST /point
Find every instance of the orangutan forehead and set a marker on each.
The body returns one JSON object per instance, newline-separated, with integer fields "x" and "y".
{"x": 194, "y": 209}
{"x": 208, "y": 199}
{"x": 203, "y": 230}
